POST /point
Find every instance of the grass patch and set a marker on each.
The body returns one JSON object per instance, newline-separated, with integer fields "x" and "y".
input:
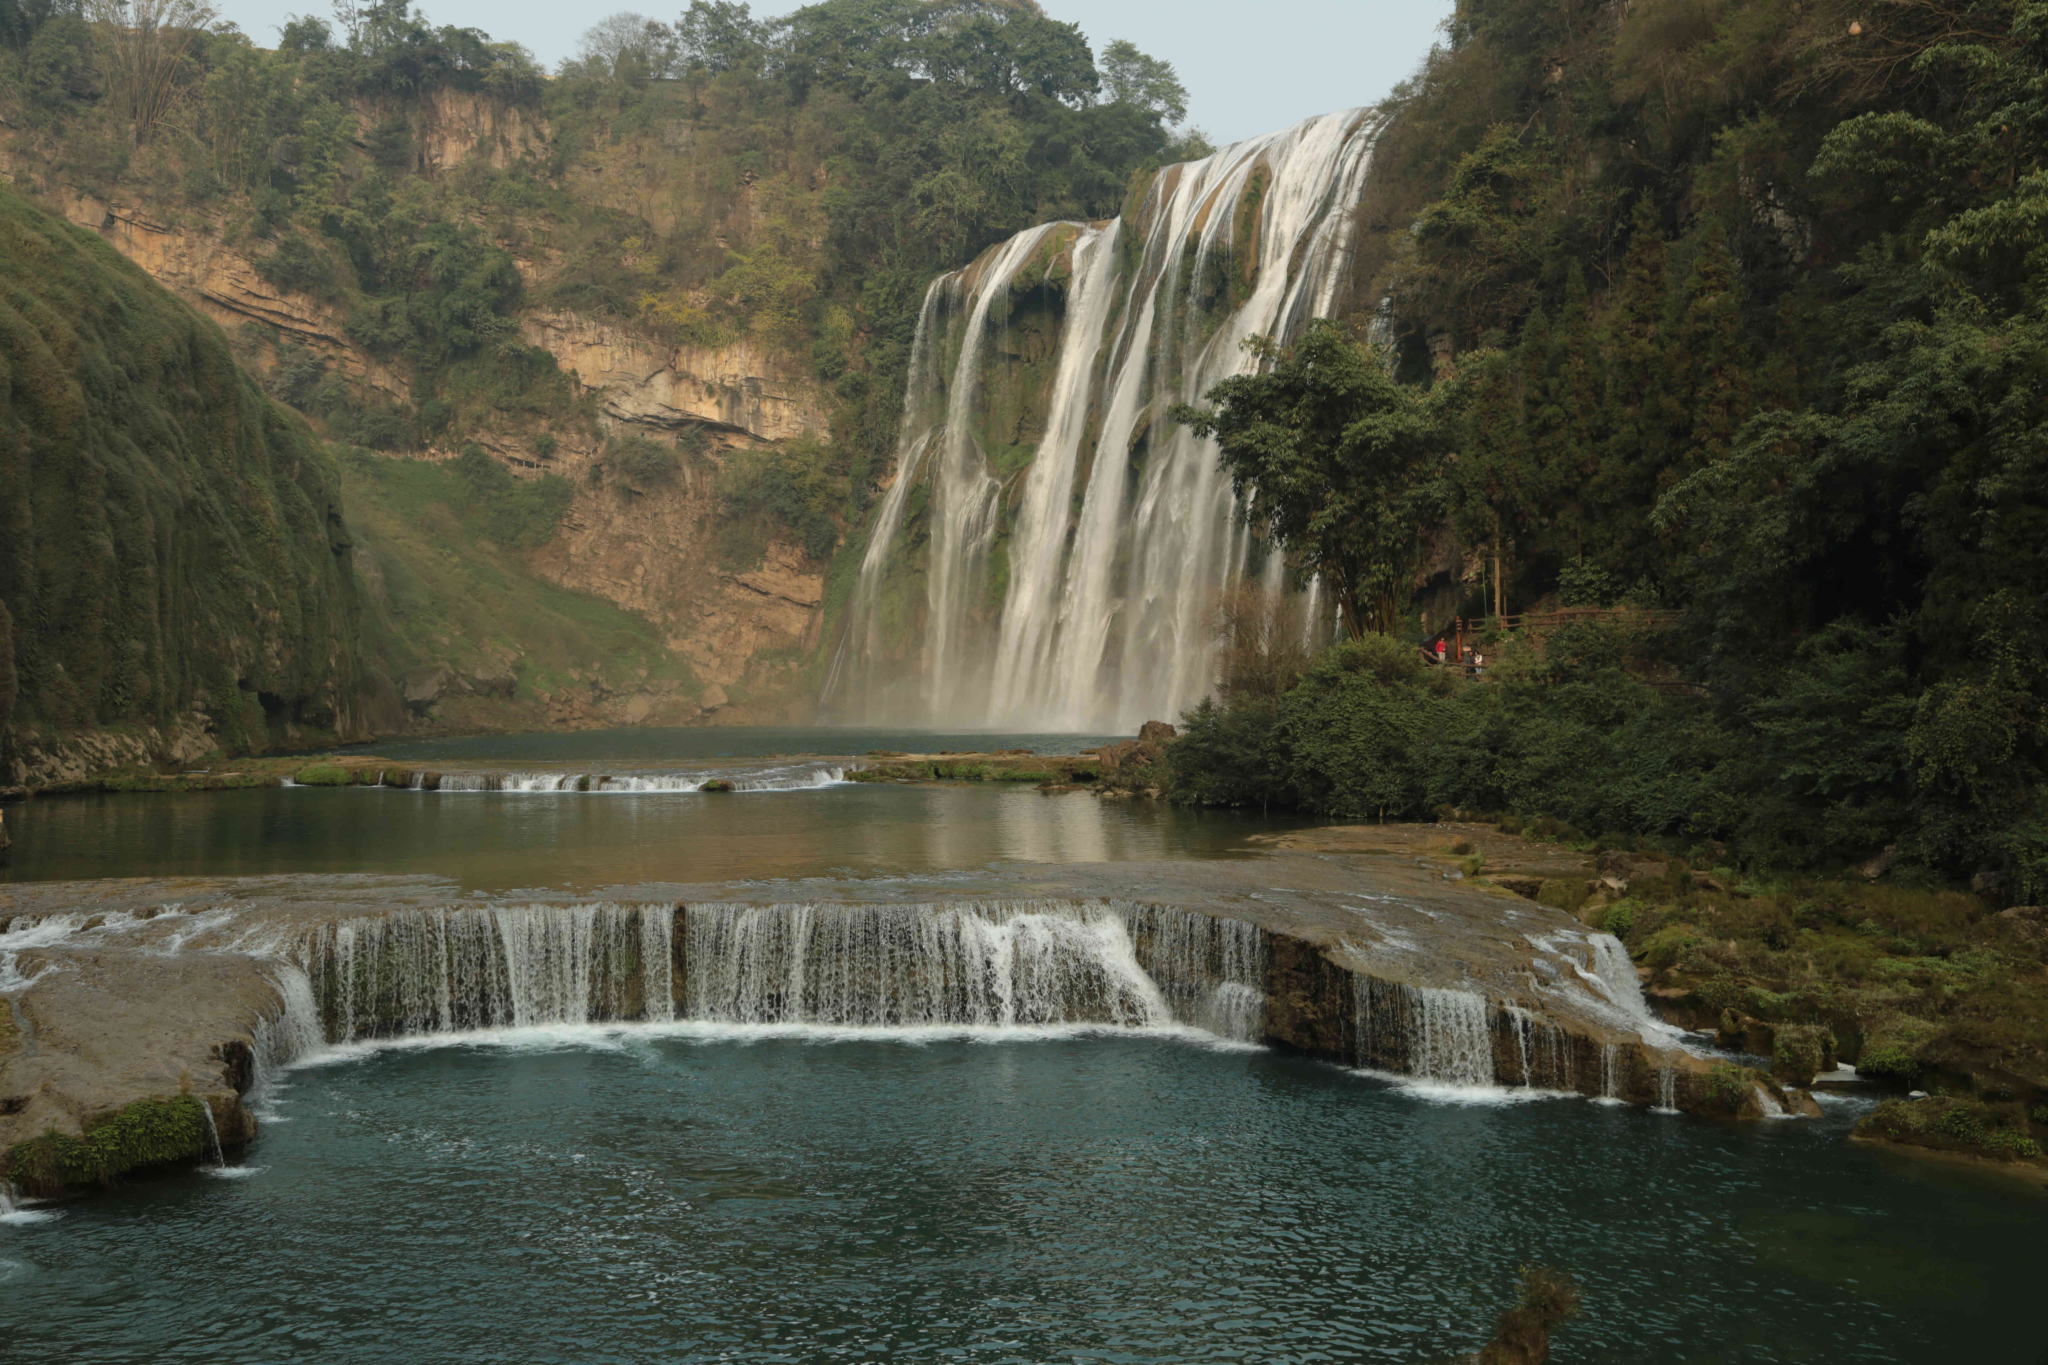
{"x": 440, "y": 591}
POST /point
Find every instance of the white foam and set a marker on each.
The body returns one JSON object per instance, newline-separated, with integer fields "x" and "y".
{"x": 775, "y": 778}
{"x": 1440, "y": 1092}
{"x": 626, "y": 1037}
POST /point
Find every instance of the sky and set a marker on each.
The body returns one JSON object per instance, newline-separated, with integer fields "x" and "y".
{"x": 1250, "y": 66}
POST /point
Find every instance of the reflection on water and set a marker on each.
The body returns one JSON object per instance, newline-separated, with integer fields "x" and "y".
{"x": 726, "y": 1196}
{"x": 499, "y": 841}
{"x": 720, "y": 741}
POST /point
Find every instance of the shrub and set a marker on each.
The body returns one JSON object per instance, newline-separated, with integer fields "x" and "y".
{"x": 324, "y": 775}
{"x": 512, "y": 512}
{"x": 1619, "y": 919}
{"x": 1952, "y": 1123}
{"x": 640, "y": 462}
{"x": 1801, "y": 1051}
{"x": 1663, "y": 949}
{"x": 1728, "y": 1086}
{"x": 300, "y": 267}
{"x": 1890, "y": 1064}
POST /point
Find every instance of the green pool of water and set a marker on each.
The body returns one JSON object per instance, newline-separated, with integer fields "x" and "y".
{"x": 714, "y": 1196}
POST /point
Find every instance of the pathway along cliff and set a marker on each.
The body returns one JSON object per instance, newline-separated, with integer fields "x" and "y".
{"x": 142, "y": 993}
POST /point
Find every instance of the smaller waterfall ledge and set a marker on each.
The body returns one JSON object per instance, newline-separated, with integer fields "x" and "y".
{"x": 134, "y": 992}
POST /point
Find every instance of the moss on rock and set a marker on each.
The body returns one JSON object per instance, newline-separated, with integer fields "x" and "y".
{"x": 1953, "y": 1123}
{"x": 145, "y": 1133}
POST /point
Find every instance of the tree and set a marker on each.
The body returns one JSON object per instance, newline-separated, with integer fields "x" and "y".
{"x": 1337, "y": 464}
{"x": 1130, "y": 77}
{"x": 627, "y": 47}
{"x": 719, "y": 36}
{"x": 145, "y": 47}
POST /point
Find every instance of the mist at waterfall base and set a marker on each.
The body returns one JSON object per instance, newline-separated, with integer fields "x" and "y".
{"x": 719, "y": 1193}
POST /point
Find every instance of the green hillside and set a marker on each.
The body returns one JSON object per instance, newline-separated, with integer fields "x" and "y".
{"x": 171, "y": 540}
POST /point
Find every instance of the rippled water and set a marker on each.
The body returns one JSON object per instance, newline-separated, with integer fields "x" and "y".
{"x": 713, "y": 1196}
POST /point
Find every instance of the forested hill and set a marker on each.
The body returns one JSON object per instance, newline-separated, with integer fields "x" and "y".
{"x": 173, "y": 571}
{"x": 1730, "y": 310}
{"x": 632, "y": 331}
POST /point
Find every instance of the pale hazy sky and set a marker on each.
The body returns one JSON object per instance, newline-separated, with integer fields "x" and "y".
{"x": 1251, "y": 66}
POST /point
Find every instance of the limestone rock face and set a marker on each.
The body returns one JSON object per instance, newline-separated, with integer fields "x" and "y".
{"x": 60, "y": 760}
{"x": 737, "y": 387}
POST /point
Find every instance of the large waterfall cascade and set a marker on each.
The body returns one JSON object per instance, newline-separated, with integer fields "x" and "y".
{"x": 1077, "y": 592}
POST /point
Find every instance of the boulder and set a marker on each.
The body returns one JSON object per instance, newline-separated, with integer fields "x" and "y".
{"x": 1156, "y": 732}
{"x": 2028, "y": 921}
{"x": 425, "y": 686}
{"x": 1879, "y": 865}
{"x": 494, "y": 679}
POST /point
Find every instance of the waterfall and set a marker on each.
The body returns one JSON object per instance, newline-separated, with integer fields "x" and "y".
{"x": 1452, "y": 1041}
{"x": 991, "y": 964}
{"x": 1094, "y": 611}
{"x": 1667, "y": 1090}
{"x": 1435, "y": 1034}
{"x": 215, "y": 1156}
{"x": 1615, "y": 972}
{"x": 1211, "y": 972}
{"x": 1609, "y": 1055}
{"x": 437, "y": 971}
{"x": 293, "y": 1032}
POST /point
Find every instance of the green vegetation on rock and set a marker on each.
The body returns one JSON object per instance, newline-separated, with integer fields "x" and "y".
{"x": 171, "y": 540}
{"x": 145, "y": 1133}
{"x": 440, "y": 588}
{"x": 1954, "y": 1124}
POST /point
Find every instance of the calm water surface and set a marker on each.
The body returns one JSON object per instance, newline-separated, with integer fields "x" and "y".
{"x": 705, "y": 1198}
{"x": 506, "y": 840}
{"x": 724, "y": 741}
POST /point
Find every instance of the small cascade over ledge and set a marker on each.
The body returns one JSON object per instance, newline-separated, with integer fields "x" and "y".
{"x": 971, "y": 964}
{"x": 1053, "y": 546}
{"x": 243, "y": 981}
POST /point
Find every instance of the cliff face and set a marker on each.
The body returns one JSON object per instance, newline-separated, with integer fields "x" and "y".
{"x": 172, "y": 552}
{"x": 647, "y": 547}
